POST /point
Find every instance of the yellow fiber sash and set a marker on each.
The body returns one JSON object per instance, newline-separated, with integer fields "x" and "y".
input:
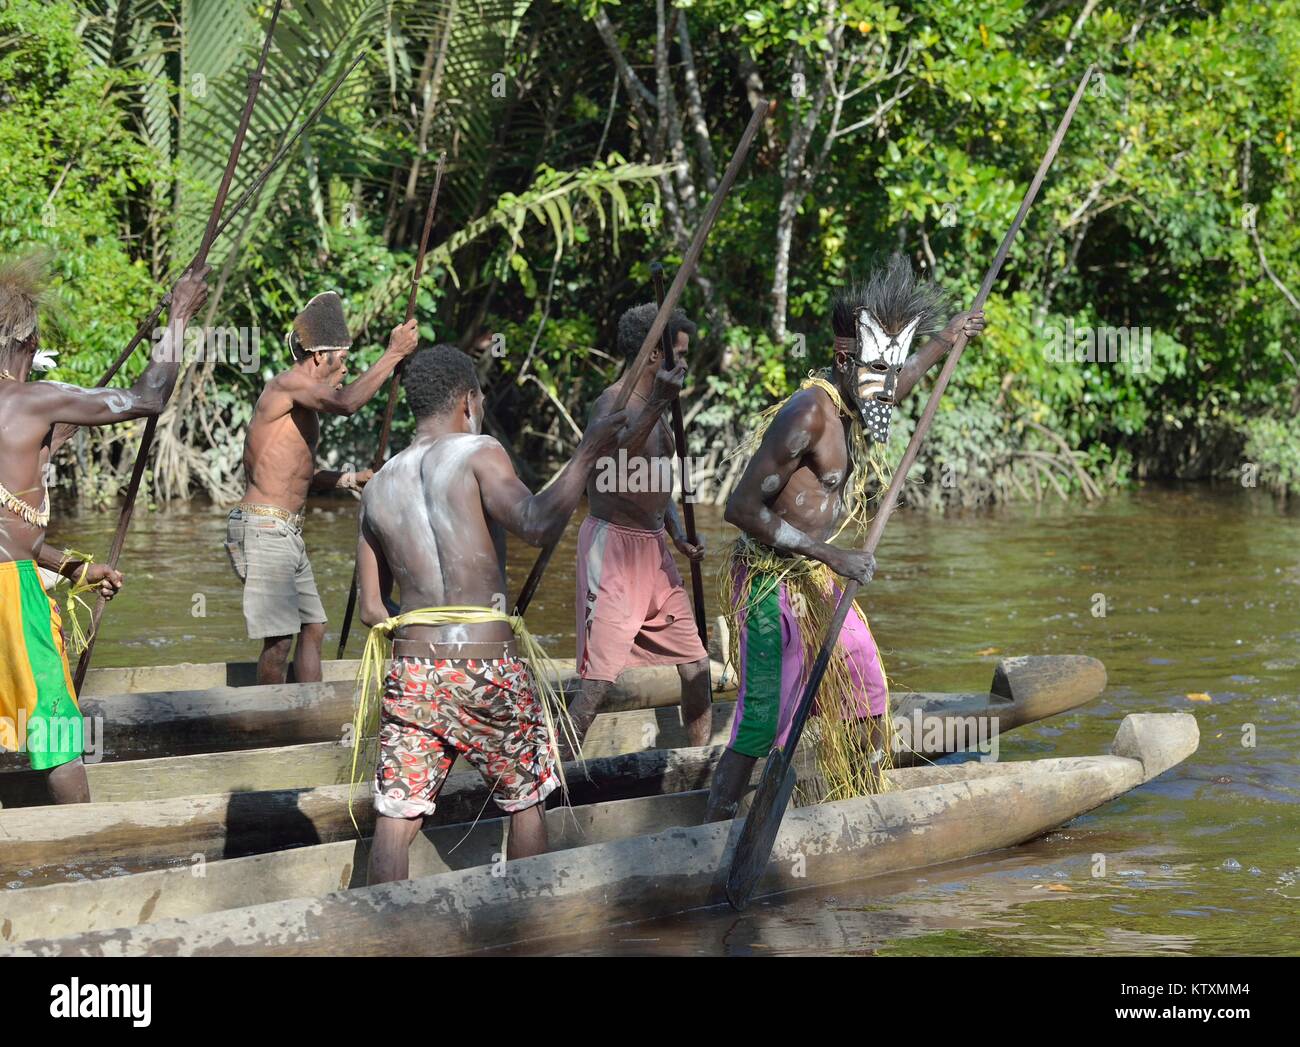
{"x": 77, "y": 635}
{"x": 378, "y": 652}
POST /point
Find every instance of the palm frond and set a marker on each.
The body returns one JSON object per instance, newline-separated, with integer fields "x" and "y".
{"x": 555, "y": 201}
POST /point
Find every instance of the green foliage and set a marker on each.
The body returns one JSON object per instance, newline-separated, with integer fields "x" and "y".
{"x": 1273, "y": 445}
{"x": 1172, "y": 210}
{"x": 67, "y": 169}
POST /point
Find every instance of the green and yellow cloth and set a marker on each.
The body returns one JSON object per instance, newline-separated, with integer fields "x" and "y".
{"x": 38, "y": 705}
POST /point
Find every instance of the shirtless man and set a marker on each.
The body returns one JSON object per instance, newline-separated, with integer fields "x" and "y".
{"x": 631, "y": 607}
{"x": 264, "y": 532}
{"x": 38, "y": 709}
{"x": 433, "y": 522}
{"x": 803, "y": 483}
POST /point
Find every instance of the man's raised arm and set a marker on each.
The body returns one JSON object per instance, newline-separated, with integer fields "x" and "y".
{"x": 668, "y": 385}
{"x": 539, "y": 519}
{"x": 73, "y": 406}
{"x": 305, "y": 392}
{"x": 931, "y": 353}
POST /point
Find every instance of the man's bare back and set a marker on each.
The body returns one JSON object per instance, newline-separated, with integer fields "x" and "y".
{"x": 434, "y": 518}
{"x": 425, "y": 508}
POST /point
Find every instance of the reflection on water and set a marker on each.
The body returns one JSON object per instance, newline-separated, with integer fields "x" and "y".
{"x": 1201, "y": 597}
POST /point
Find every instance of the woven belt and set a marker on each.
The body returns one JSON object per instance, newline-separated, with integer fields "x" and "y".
{"x": 292, "y": 519}
{"x": 479, "y": 650}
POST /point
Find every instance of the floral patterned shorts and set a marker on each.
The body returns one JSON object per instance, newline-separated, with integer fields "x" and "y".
{"x": 486, "y": 711}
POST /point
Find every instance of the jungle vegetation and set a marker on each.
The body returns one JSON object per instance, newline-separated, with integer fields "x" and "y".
{"x": 583, "y": 142}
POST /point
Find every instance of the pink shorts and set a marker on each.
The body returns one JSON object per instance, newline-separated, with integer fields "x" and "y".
{"x": 773, "y": 671}
{"x": 632, "y": 609}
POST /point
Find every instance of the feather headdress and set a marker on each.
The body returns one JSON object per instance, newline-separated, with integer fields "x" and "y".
{"x": 894, "y": 296}
{"x": 23, "y": 281}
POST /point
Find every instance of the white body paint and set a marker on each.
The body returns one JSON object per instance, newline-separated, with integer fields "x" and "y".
{"x": 414, "y": 488}
{"x": 788, "y": 536}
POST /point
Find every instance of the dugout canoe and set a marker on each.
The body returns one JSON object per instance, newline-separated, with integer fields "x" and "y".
{"x": 938, "y": 814}
{"x": 1023, "y": 690}
{"x": 147, "y": 724}
{"x": 200, "y": 886}
{"x": 54, "y": 843}
{"x": 190, "y": 676}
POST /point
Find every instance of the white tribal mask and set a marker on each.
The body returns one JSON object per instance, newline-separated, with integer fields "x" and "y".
{"x": 882, "y": 356}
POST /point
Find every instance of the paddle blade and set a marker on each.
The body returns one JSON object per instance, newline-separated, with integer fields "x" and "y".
{"x": 759, "y": 831}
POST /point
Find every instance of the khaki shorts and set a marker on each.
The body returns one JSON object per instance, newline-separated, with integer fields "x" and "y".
{"x": 269, "y": 557}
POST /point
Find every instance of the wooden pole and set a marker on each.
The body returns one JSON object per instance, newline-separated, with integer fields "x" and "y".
{"x": 200, "y": 259}
{"x": 381, "y": 449}
{"x": 395, "y": 381}
{"x": 687, "y": 269}
{"x": 768, "y": 807}
{"x": 230, "y": 216}
{"x": 688, "y": 503}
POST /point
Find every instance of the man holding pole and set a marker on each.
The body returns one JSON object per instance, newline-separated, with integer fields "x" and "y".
{"x": 264, "y": 532}
{"x": 814, "y": 460}
{"x": 758, "y": 834}
{"x": 463, "y": 678}
{"x": 38, "y": 704}
{"x": 631, "y": 607}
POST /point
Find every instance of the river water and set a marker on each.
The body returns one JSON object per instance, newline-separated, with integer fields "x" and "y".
{"x": 1202, "y": 614}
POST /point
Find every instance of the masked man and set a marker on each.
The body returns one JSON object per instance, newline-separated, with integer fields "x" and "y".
{"x": 264, "y": 532}
{"x": 815, "y": 457}
{"x": 38, "y": 709}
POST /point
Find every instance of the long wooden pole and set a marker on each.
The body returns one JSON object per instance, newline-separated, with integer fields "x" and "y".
{"x": 773, "y": 794}
{"x": 232, "y": 212}
{"x": 200, "y": 259}
{"x": 687, "y": 269}
{"x": 381, "y": 448}
{"x": 688, "y": 502}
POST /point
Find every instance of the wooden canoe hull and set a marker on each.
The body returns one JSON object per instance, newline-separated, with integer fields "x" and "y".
{"x": 308, "y": 872}
{"x": 946, "y": 814}
{"x": 199, "y": 886}
{"x": 175, "y": 723}
{"x": 227, "y": 737}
